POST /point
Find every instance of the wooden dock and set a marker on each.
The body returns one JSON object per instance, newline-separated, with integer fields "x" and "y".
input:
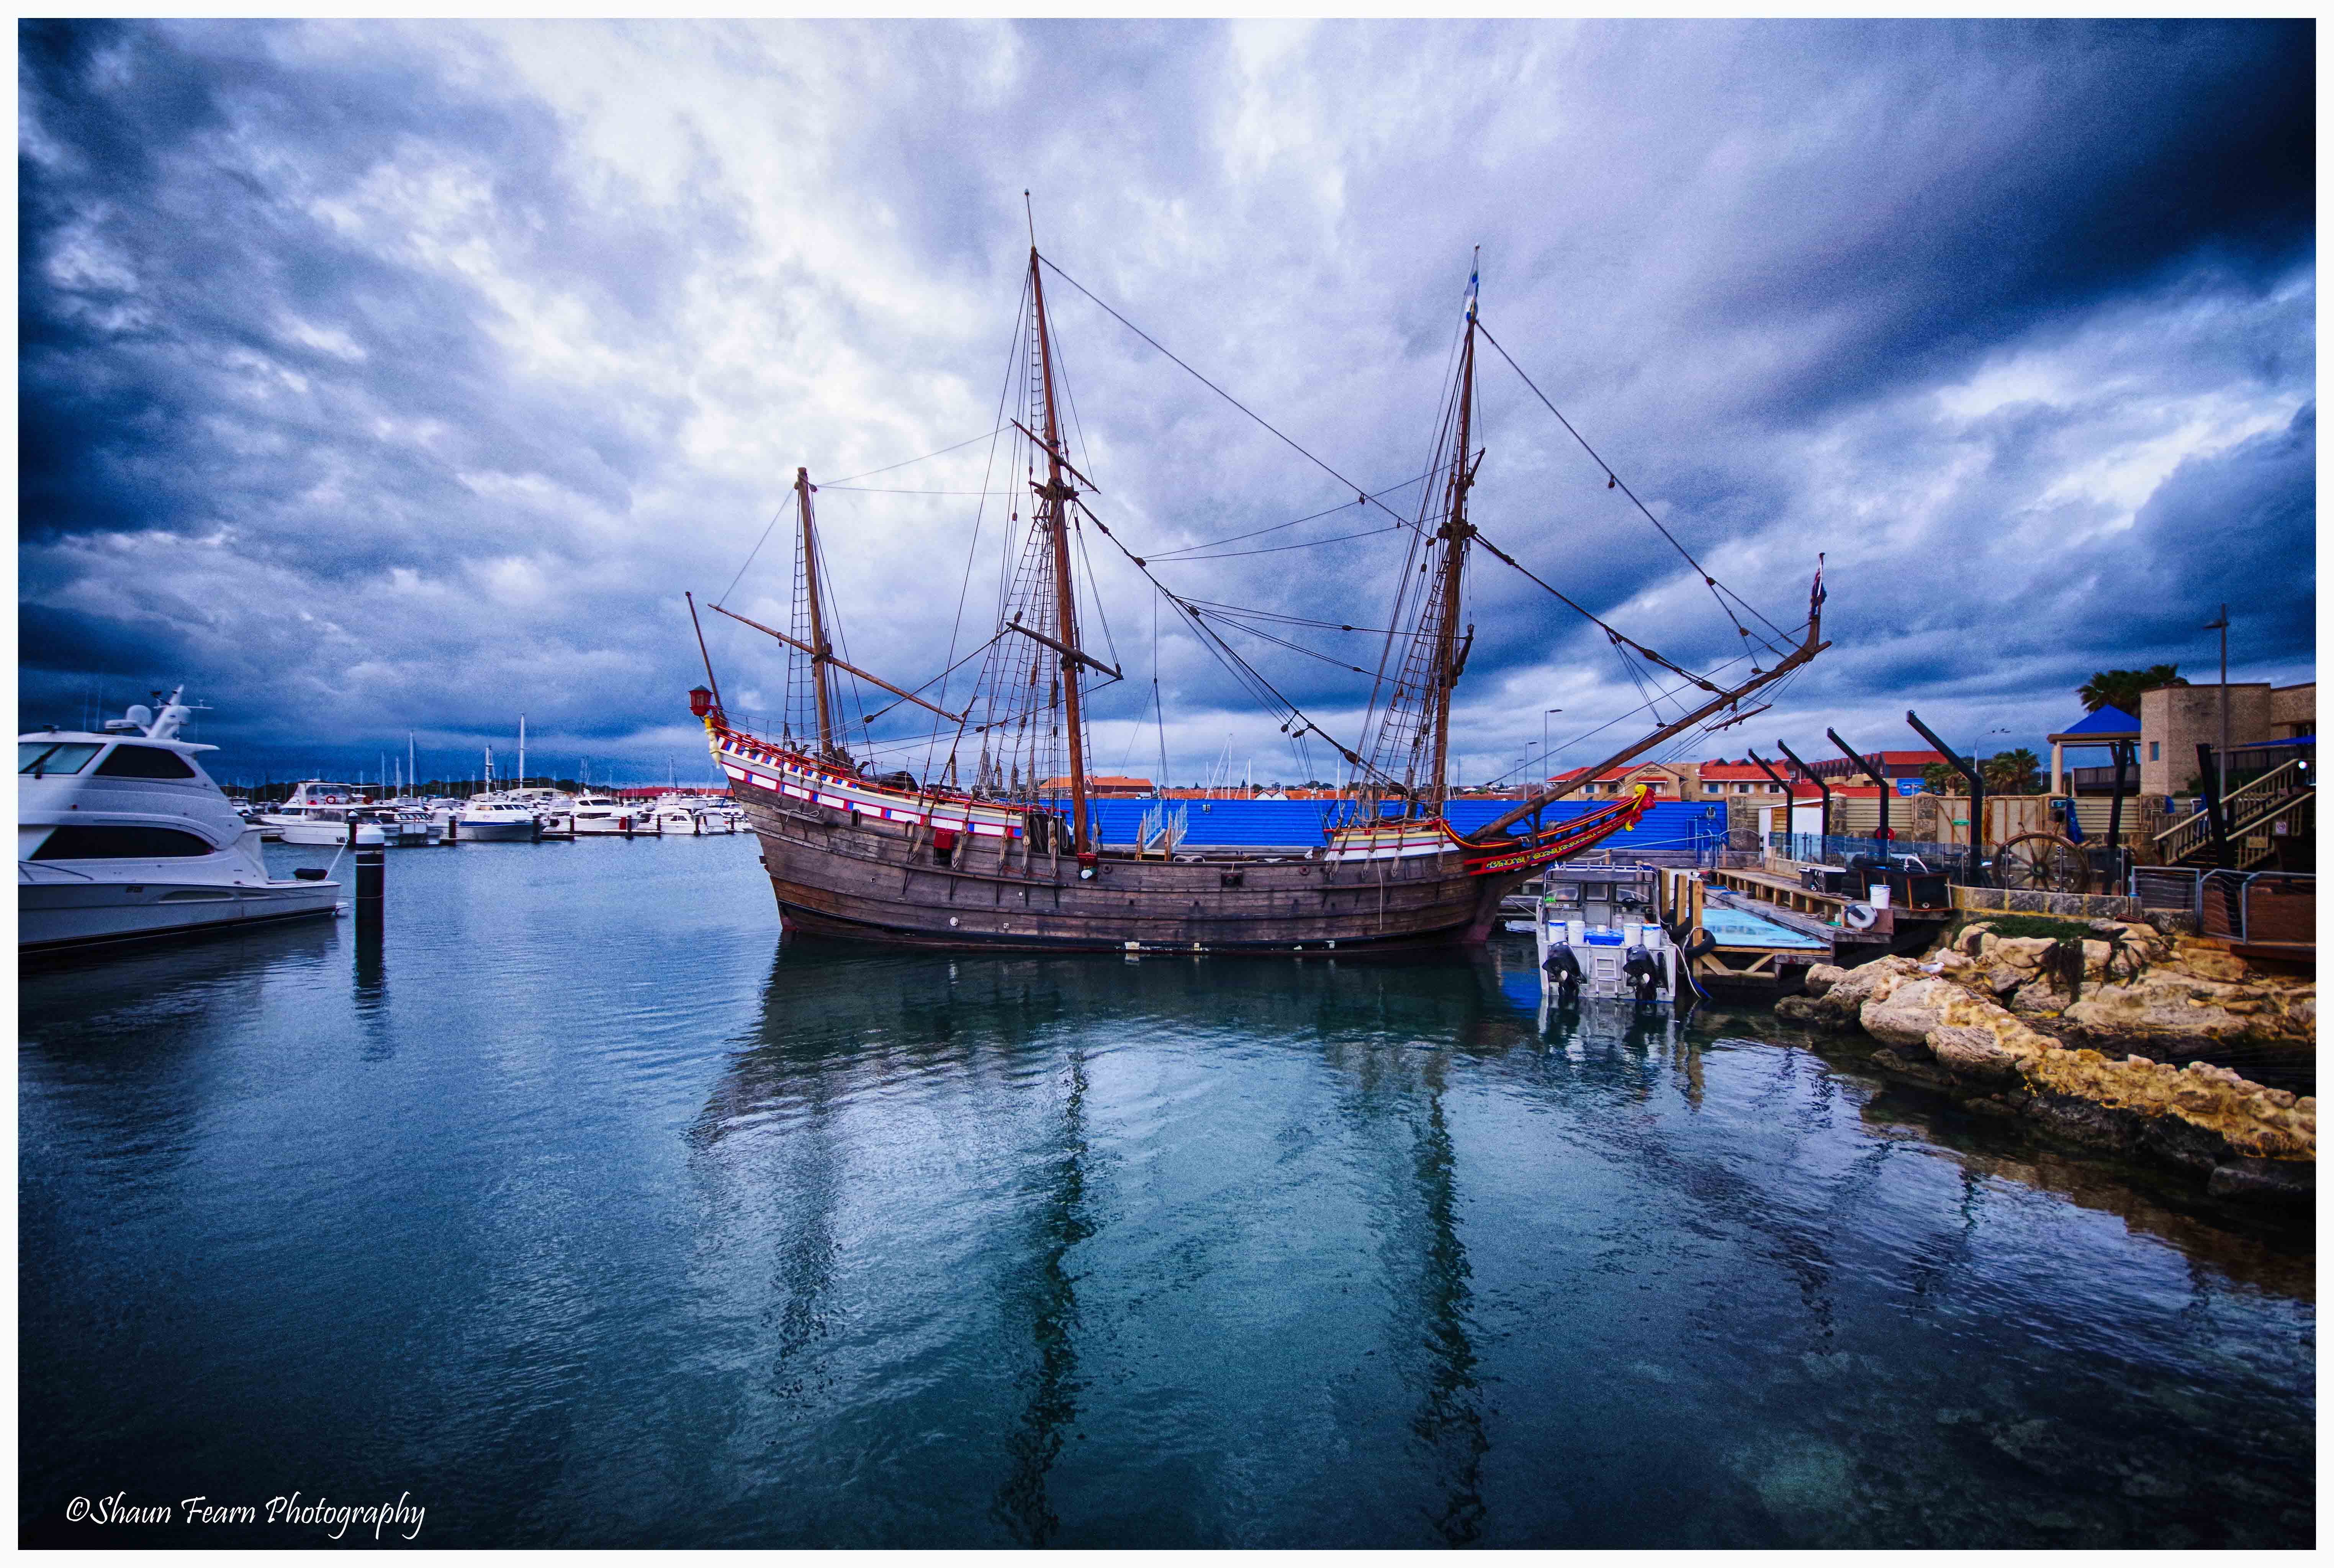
{"x": 1743, "y": 963}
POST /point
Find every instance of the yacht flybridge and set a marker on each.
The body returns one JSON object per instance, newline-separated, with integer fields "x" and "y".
{"x": 121, "y": 836}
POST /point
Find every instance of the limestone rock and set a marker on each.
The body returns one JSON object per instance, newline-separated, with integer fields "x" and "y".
{"x": 1870, "y": 982}
{"x": 1972, "y": 1054}
{"x": 1939, "y": 1015}
{"x": 1903, "y": 1017}
{"x": 1822, "y": 978}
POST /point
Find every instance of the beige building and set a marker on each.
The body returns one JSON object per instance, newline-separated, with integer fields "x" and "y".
{"x": 2174, "y": 720}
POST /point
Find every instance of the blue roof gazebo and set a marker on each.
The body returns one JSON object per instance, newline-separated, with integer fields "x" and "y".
{"x": 2106, "y": 728}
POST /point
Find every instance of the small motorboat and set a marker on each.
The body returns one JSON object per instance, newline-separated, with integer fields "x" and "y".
{"x": 1596, "y": 937}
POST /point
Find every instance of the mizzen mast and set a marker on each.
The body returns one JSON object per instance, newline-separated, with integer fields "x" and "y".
{"x": 1054, "y": 499}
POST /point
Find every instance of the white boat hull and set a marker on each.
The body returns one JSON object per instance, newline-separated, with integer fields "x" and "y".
{"x": 320, "y": 834}
{"x": 494, "y": 833}
{"x": 62, "y": 914}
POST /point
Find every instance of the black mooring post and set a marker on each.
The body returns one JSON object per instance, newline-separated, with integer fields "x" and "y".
{"x": 2208, "y": 770}
{"x": 1850, "y": 753}
{"x": 1822, "y": 789}
{"x": 1976, "y": 782}
{"x": 370, "y": 875}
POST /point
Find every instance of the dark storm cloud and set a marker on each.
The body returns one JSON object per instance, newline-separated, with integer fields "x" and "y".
{"x": 380, "y": 377}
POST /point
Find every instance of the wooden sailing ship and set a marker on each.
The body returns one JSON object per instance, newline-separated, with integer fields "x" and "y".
{"x": 999, "y": 861}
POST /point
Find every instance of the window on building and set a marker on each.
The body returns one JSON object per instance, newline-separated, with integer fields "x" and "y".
{"x": 2155, "y": 751}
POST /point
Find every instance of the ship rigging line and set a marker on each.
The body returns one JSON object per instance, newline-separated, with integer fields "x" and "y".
{"x": 1182, "y": 550}
{"x": 1715, "y": 586}
{"x": 1583, "y": 610}
{"x": 1251, "y": 680}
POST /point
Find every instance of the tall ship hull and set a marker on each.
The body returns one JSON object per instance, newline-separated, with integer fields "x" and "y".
{"x": 850, "y": 859}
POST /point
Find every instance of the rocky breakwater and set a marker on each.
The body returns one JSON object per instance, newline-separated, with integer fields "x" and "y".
{"x": 1953, "y": 1022}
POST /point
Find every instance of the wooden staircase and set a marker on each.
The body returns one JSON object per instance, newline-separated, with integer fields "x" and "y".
{"x": 2279, "y": 803}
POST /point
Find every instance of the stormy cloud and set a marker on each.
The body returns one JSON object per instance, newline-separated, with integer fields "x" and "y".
{"x": 378, "y": 379}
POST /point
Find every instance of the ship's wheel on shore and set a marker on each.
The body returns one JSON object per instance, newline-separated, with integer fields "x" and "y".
{"x": 2042, "y": 862}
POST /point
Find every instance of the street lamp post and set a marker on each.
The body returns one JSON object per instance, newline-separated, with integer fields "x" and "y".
{"x": 2221, "y": 626}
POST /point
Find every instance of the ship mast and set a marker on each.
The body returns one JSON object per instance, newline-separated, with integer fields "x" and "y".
{"x": 820, "y": 650}
{"x": 1053, "y": 498}
{"x": 1455, "y": 534}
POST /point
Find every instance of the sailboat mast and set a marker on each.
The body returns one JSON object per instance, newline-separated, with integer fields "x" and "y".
{"x": 1055, "y": 497}
{"x": 817, "y": 622}
{"x": 1454, "y": 559}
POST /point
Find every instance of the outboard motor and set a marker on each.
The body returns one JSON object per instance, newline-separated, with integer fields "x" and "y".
{"x": 1564, "y": 968}
{"x": 1643, "y": 973}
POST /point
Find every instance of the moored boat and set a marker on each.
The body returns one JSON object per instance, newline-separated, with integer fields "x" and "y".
{"x": 492, "y": 819}
{"x": 122, "y": 836}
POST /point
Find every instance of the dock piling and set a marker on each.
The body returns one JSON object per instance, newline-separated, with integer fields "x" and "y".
{"x": 372, "y": 858}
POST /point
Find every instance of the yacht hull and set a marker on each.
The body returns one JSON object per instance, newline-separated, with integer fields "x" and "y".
{"x": 53, "y": 916}
{"x": 494, "y": 832}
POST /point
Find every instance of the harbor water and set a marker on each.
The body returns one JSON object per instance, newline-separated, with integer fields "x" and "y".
{"x": 578, "y": 1211}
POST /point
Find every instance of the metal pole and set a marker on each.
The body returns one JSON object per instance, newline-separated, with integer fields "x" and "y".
{"x": 1975, "y": 778}
{"x": 2221, "y": 626}
{"x": 1788, "y": 831}
{"x": 2209, "y": 772}
{"x": 1822, "y": 789}
{"x": 1850, "y": 753}
{"x": 2115, "y": 810}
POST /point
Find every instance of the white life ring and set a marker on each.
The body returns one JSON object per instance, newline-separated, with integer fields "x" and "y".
{"x": 1860, "y": 917}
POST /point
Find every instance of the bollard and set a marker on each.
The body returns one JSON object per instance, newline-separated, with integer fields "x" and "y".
{"x": 371, "y": 869}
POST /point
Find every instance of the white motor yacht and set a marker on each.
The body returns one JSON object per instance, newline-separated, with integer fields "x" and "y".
{"x": 404, "y": 823}
{"x": 597, "y": 813}
{"x": 317, "y": 811}
{"x": 489, "y": 819}
{"x": 675, "y": 817}
{"x": 122, "y": 836}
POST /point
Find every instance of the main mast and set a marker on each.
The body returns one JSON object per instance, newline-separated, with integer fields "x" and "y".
{"x": 1454, "y": 534}
{"x": 1054, "y": 498}
{"x": 820, "y": 651}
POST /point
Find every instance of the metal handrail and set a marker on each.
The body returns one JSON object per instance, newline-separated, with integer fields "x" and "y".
{"x": 2193, "y": 830}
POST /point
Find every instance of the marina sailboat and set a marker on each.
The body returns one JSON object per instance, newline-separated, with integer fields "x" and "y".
{"x": 1000, "y": 859}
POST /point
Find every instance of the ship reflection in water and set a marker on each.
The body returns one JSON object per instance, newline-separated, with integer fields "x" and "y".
{"x": 586, "y": 1218}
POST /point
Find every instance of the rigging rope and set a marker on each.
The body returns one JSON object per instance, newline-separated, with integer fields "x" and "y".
{"x": 1474, "y": 531}
{"x": 943, "y": 452}
{"x": 1616, "y": 480}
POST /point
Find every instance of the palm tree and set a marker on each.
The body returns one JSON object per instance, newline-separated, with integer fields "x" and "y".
{"x": 2013, "y": 773}
{"x": 2120, "y": 689}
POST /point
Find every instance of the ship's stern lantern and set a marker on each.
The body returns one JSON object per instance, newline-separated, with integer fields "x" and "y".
{"x": 701, "y": 701}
